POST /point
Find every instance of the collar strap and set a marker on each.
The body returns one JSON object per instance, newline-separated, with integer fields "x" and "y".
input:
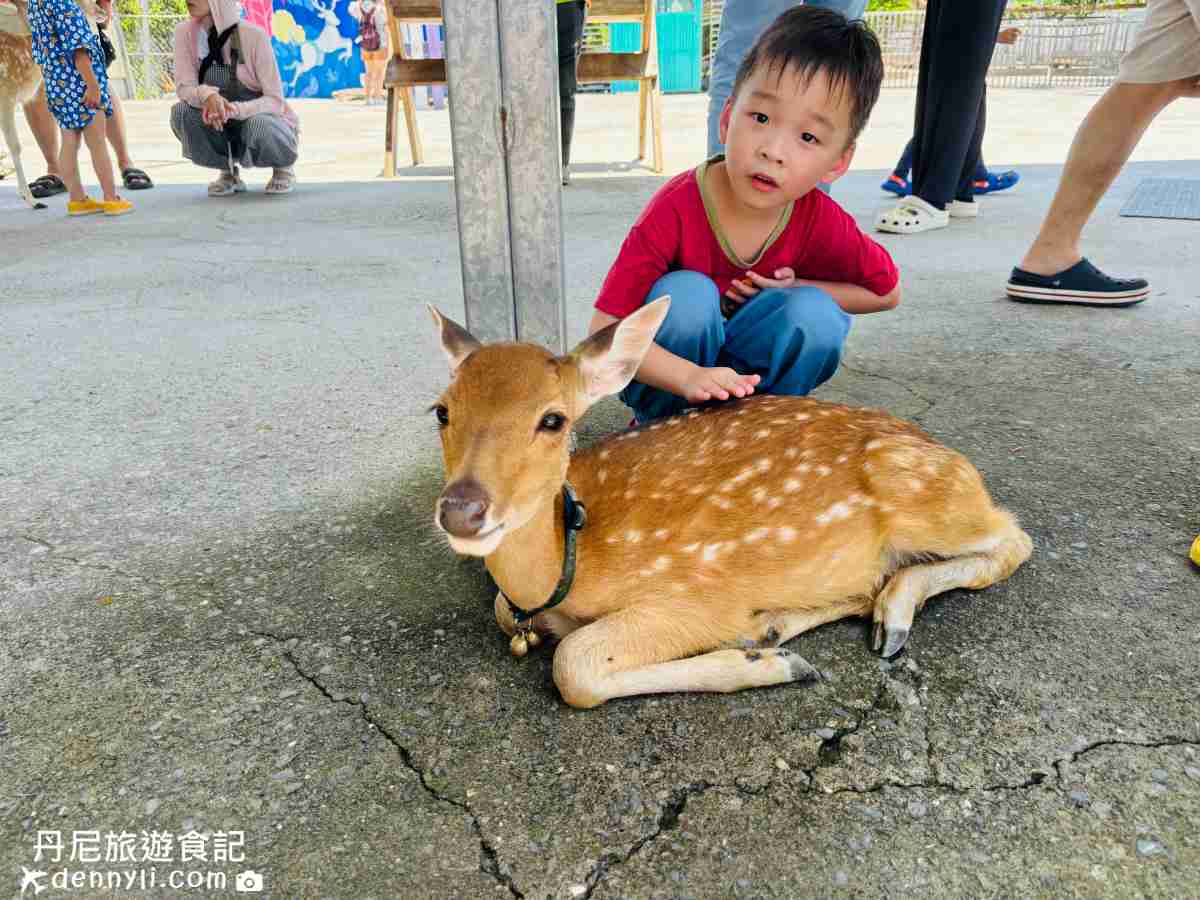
{"x": 574, "y": 518}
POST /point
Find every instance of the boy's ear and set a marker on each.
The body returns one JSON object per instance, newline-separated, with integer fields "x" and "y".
{"x": 842, "y": 164}
{"x": 726, "y": 115}
{"x": 609, "y": 359}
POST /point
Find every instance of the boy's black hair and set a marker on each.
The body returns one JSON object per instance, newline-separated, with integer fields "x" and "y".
{"x": 809, "y": 39}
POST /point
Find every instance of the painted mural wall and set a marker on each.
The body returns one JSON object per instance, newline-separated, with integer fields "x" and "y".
{"x": 314, "y": 44}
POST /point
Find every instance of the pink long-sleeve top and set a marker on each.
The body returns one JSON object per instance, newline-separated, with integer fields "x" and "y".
{"x": 257, "y": 70}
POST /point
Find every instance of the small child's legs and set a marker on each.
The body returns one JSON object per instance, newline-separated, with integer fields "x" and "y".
{"x": 94, "y": 136}
{"x": 792, "y": 337}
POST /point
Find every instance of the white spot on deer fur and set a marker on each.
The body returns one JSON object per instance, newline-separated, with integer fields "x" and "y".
{"x": 740, "y": 412}
{"x": 633, "y": 536}
{"x": 803, "y": 469}
{"x": 843, "y": 458}
{"x": 823, "y": 470}
{"x": 660, "y": 564}
{"x": 674, "y": 420}
{"x": 839, "y": 510}
{"x": 743, "y": 475}
{"x": 711, "y": 551}
{"x": 604, "y": 454}
{"x": 762, "y": 433}
{"x": 720, "y": 501}
{"x": 774, "y": 503}
{"x": 656, "y": 426}
{"x": 802, "y": 417}
{"x": 790, "y": 452}
{"x": 779, "y": 421}
{"x": 656, "y": 496}
{"x": 787, "y": 534}
{"x": 759, "y": 495}
{"x": 629, "y": 435}
{"x": 756, "y": 535}
{"x": 697, "y": 489}
{"x": 763, "y": 465}
{"x": 612, "y": 539}
{"x": 693, "y": 415}
{"x": 791, "y": 486}
{"x": 873, "y": 444}
{"x": 691, "y": 548}
{"x": 602, "y": 475}
{"x": 823, "y": 412}
{"x": 661, "y": 534}
{"x": 728, "y": 445}
{"x": 629, "y": 495}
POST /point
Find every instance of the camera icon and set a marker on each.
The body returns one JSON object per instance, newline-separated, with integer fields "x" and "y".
{"x": 248, "y": 882}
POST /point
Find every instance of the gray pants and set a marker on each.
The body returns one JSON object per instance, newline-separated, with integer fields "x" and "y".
{"x": 270, "y": 141}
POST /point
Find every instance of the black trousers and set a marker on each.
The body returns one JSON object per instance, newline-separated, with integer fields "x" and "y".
{"x": 960, "y": 37}
{"x": 570, "y": 38}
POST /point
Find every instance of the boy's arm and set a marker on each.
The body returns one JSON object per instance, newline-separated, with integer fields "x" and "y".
{"x": 856, "y": 299}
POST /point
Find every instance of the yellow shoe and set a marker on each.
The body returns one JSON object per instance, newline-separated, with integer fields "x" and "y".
{"x": 1196, "y": 551}
{"x": 117, "y": 207}
{"x": 85, "y": 207}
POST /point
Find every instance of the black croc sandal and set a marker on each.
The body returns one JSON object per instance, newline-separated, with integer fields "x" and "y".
{"x": 136, "y": 180}
{"x": 1081, "y": 285}
{"x": 47, "y": 186}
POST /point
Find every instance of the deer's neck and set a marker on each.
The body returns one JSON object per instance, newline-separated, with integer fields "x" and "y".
{"x": 529, "y": 562}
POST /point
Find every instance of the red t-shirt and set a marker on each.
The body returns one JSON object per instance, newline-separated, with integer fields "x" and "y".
{"x": 819, "y": 241}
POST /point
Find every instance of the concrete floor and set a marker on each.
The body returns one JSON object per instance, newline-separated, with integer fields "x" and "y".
{"x": 223, "y": 606}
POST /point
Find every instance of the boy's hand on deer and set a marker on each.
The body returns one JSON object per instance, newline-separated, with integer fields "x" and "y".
{"x": 718, "y": 384}
{"x": 743, "y": 289}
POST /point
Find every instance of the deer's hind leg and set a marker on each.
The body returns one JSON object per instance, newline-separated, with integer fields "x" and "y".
{"x": 647, "y": 650}
{"x": 978, "y": 557}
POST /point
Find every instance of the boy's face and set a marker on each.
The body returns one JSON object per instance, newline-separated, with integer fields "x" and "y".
{"x": 783, "y": 135}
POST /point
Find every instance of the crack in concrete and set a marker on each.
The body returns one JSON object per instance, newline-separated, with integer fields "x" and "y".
{"x": 863, "y": 372}
{"x": 668, "y": 819}
{"x": 1169, "y": 741}
{"x": 491, "y": 864}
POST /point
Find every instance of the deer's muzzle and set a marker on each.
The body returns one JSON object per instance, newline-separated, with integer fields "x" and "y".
{"x": 463, "y": 508}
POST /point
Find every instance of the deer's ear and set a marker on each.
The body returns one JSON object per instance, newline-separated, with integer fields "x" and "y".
{"x": 457, "y": 342}
{"x": 609, "y": 358}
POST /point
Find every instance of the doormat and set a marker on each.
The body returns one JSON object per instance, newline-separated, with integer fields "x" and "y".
{"x": 1164, "y": 198}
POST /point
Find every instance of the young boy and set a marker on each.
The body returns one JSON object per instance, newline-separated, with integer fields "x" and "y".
{"x": 761, "y": 268}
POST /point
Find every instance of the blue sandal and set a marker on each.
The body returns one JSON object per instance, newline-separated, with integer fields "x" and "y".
{"x": 997, "y": 182}
{"x": 901, "y": 187}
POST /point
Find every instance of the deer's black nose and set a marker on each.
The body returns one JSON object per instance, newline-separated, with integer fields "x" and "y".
{"x": 462, "y": 508}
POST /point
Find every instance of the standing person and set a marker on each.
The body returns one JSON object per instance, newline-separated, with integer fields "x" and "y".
{"x": 957, "y": 49}
{"x": 571, "y": 15}
{"x": 372, "y": 39}
{"x": 985, "y": 182}
{"x": 1162, "y": 66}
{"x": 76, "y": 82}
{"x": 763, "y": 271}
{"x": 742, "y": 21}
{"x": 231, "y": 111}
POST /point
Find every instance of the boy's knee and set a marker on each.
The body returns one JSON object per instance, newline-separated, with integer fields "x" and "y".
{"x": 694, "y": 297}
{"x": 814, "y": 312}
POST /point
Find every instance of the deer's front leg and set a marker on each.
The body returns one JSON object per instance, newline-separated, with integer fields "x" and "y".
{"x": 637, "y": 651}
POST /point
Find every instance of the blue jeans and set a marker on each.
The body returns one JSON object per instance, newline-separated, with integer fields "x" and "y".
{"x": 742, "y": 21}
{"x": 792, "y": 337}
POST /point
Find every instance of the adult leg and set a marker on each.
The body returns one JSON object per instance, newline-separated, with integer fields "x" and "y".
{"x": 45, "y": 132}
{"x": 959, "y": 40}
{"x": 115, "y": 131}
{"x": 694, "y": 329}
{"x": 792, "y": 337}
{"x": 1101, "y": 147}
{"x": 570, "y": 35}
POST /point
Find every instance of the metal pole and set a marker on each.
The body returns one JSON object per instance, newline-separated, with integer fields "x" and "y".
{"x": 502, "y": 71}
{"x": 146, "y": 82}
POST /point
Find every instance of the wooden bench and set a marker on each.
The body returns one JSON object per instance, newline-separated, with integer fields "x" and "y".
{"x": 404, "y": 73}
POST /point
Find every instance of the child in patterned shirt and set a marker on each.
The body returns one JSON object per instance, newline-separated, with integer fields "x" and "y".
{"x": 72, "y": 61}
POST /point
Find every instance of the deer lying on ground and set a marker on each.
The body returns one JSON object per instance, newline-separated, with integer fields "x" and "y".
{"x": 19, "y": 80}
{"x": 711, "y": 538}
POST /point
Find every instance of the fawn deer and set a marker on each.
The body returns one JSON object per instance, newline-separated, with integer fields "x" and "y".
{"x": 712, "y": 537}
{"x": 19, "y": 80}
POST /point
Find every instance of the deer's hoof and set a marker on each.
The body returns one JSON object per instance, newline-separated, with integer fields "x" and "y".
{"x": 799, "y": 668}
{"x": 896, "y": 639}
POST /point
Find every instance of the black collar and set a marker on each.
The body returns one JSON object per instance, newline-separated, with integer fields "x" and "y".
{"x": 574, "y": 518}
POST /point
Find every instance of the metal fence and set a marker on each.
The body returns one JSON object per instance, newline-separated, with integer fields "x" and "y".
{"x": 1052, "y": 51}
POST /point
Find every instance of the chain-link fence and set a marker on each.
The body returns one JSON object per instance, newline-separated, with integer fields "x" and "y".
{"x": 1052, "y": 51}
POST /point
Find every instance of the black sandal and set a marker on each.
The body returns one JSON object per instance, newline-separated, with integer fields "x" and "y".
{"x": 135, "y": 179}
{"x": 47, "y": 186}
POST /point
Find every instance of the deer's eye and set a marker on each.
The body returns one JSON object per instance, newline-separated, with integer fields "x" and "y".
{"x": 552, "y": 422}
{"x": 443, "y": 415}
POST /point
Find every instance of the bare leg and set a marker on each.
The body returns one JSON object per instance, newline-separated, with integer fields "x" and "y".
{"x": 115, "y": 131}
{"x": 93, "y": 135}
{"x": 68, "y": 164}
{"x": 1101, "y": 147}
{"x": 45, "y": 129}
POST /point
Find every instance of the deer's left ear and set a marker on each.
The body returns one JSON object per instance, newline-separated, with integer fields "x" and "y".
{"x": 457, "y": 342}
{"x": 609, "y": 359}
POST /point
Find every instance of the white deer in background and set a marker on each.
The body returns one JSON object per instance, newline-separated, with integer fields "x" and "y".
{"x": 330, "y": 40}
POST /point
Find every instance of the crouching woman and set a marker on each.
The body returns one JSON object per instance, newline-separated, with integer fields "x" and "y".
{"x": 231, "y": 113}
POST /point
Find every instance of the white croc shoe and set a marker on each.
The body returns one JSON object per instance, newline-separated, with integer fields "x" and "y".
{"x": 960, "y": 209}
{"x": 911, "y": 215}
